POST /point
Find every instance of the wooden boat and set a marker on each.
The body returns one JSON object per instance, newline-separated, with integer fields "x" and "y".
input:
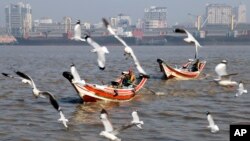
{"x": 185, "y": 72}
{"x": 94, "y": 92}
{"x": 191, "y": 69}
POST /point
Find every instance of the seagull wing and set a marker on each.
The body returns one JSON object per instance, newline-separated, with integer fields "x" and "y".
{"x": 55, "y": 104}
{"x": 10, "y": 76}
{"x": 122, "y": 128}
{"x": 135, "y": 122}
{"x": 111, "y": 31}
{"x": 179, "y": 30}
{"x": 228, "y": 76}
{"x": 92, "y": 43}
{"x": 210, "y": 120}
{"x": 63, "y": 119}
{"x": 101, "y": 59}
{"x": 117, "y": 37}
{"x": 127, "y": 49}
{"x": 106, "y": 122}
{"x": 75, "y": 73}
{"x": 137, "y": 63}
{"x": 109, "y": 136}
{"x": 27, "y": 78}
{"x": 100, "y": 52}
{"x": 52, "y": 99}
{"x": 190, "y": 39}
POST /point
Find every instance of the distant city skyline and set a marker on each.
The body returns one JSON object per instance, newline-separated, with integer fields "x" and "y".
{"x": 93, "y": 11}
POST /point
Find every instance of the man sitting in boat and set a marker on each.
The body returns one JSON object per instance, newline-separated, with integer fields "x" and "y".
{"x": 195, "y": 66}
{"x": 192, "y": 65}
{"x": 127, "y": 79}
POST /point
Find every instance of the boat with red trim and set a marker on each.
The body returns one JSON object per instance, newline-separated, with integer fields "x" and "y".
{"x": 94, "y": 92}
{"x": 190, "y": 70}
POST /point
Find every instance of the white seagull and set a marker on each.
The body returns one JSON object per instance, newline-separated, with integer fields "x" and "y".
{"x": 224, "y": 79}
{"x": 27, "y": 80}
{"x": 109, "y": 131}
{"x": 241, "y": 89}
{"x": 136, "y": 120}
{"x": 221, "y": 69}
{"x": 99, "y": 50}
{"x": 214, "y": 128}
{"x": 128, "y": 51}
{"x": 189, "y": 39}
{"x": 76, "y": 76}
{"x": 77, "y": 32}
{"x": 55, "y": 104}
{"x": 37, "y": 93}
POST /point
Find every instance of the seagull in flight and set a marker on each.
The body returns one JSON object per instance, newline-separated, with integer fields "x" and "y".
{"x": 224, "y": 79}
{"x": 109, "y": 132}
{"x": 221, "y": 69}
{"x": 99, "y": 50}
{"x": 190, "y": 39}
{"x": 27, "y": 80}
{"x": 241, "y": 89}
{"x": 37, "y": 93}
{"x": 78, "y": 32}
{"x": 76, "y": 76}
{"x": 214, "y": 128}
{"x": 136, "y": 120}
{"x": 128, "y": 51}
{"x": 55, "y": 104}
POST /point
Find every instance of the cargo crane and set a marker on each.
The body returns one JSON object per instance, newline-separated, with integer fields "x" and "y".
{"x": 199, "y": 22}
{"x": 200, "y": 25}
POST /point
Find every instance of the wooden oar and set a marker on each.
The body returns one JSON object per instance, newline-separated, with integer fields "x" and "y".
{"x": 147, "y": 89}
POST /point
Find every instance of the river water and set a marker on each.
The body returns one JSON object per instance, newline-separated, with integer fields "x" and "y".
{"x": 177, "y": 115}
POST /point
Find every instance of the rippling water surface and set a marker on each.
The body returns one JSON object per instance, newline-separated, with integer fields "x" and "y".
{"x": 178, "y": 115}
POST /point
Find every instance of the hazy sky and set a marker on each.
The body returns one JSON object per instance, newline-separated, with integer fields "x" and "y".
{"x": 93, "y": 10}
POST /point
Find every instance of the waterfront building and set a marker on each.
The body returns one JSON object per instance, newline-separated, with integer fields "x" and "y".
{"x": 18, "y": 19}
{"x": 219, "y": 14}
{"x": 67, "y": 24}
{"x": 123, "y": 21}
{"x": 139, "y": 24}
{"x": 242, "y": 14}
{"x": 113, "y": 21}
{"x": 45, "y": 27}
{"x": 155, "y": 17}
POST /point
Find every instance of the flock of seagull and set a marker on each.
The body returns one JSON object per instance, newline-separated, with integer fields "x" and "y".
{"x": 223, "y": 79}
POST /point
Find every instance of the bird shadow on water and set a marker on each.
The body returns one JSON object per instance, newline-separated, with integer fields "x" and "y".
{"x": 71, "y": 100}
